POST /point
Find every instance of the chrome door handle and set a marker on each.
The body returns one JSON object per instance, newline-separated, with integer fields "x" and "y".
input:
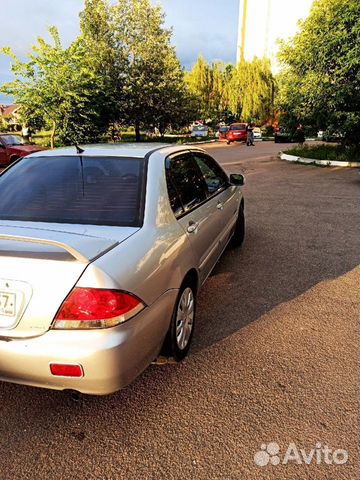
{"x": 220, "y": 206}
{"x": 192, "y": 227}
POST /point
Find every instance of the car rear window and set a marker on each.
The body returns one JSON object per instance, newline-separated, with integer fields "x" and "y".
{"x": 80, "y": 190}
{"x": 238, "y": 127}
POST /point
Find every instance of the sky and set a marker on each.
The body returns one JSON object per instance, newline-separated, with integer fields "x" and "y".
{"x": 209, "y": 27}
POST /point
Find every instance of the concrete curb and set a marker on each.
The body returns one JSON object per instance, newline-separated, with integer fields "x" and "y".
{"x": 313, "y": 161}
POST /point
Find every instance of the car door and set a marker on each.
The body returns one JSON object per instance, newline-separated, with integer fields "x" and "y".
{"x": 226, "y": 196}
{"x": 197, "y": 214}
{"x": 3, "y": 154}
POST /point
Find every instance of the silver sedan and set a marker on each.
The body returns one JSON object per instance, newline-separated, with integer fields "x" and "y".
{"x": 102, "y": 254}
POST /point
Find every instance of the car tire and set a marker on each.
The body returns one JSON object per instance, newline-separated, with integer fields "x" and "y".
{"x": 179, "y": 336}
{"x": 228, "y": 142}
{"x": 239, "y": 232}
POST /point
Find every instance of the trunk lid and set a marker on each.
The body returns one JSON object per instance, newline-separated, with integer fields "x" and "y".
{"x": 40, "y": 266}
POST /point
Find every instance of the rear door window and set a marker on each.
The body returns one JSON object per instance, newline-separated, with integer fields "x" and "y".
{"x": 186, "y": 186}
{"x": 79, "y": 190}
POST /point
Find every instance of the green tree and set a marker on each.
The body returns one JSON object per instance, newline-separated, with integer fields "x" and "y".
{"x": 252, "y": 90}
{"x": 4, "y": 127}
{"x": 154, "y": 92}
{"x": 207, "y": 82}
{"x": 320, "y": 86}
{"x": 106, "y": 54}
{"x": 245, "y": 91}
{"x": 122, "y": 69}
{"x": 132, "y": 52}
{"x": 60, "y": 86}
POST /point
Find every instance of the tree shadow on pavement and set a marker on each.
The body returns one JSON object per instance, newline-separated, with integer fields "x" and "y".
{"x": 305, "y": 235}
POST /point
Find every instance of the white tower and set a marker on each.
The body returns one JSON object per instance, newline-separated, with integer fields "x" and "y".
{"x": 254, "y": 26}
{"x": 241, "y": 41}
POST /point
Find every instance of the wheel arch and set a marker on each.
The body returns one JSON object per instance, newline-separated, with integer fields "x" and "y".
{"x": 192, "y": 276}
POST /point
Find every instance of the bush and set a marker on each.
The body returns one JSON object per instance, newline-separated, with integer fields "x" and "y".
{"x": 267, "y": 130}
{"x": 326, "y": 152}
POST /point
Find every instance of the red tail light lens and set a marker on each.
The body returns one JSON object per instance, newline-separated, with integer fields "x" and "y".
{"x": 65, "y": 370}
{"x": 96, "y": 308}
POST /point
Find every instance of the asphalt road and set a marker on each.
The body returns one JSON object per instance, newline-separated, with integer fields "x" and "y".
{"x": 275, "y": 355}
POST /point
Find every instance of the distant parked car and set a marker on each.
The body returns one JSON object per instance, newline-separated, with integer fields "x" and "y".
{"x": 103, "y": 253}
{"x": 199, "y": 131}
{"x": 332, "y": 136}
{"x": 236, "y": 133}
{"x": 257, "y": 133}
{"x": 12, "y": 148}
{"x": 285, "y": 136}
{"x": 222, "y": 132}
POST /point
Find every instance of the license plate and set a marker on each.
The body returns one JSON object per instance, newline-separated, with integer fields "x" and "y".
{"x": 7, "y": 304}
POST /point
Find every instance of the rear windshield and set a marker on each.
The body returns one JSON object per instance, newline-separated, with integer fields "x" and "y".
{"x": 80, "y": 190}
{"x": 238, "y": 127}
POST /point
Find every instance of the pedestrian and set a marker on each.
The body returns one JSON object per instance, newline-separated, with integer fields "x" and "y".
{"x": 250, "y": 135}
{"x": 25, "y": 133}
{"x": 300, "y": 134}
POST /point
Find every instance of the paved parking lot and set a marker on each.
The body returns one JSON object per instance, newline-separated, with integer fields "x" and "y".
{"x": 275, "y": 355}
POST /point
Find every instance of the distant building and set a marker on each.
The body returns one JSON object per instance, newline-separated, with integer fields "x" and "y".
{"x": 11, "y": 115}
{"x": 263, "y": 22}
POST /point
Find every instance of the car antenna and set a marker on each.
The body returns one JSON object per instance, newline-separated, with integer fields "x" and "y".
{"x": 79, "y": 150}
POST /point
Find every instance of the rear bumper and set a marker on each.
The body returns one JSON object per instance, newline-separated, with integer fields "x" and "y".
{"x": 111, "y": 358}
{"x": 237, "y": 139}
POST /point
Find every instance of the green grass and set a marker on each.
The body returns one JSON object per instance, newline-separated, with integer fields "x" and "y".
{"x": 326, "y": 152}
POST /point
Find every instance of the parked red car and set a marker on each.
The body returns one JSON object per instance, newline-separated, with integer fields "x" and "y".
{"x": 12, "y": 148}
{"x": 236, "y": 133}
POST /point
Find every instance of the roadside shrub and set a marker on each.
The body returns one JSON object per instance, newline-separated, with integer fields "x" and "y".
{"x": 267, "y": 130}
{"x": 326, "y": 152}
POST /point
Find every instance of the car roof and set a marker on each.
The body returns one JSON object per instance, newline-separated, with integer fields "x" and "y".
{"x": 129, "y": 150}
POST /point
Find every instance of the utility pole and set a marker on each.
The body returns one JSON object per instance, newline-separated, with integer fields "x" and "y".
{"x": 242, "y": 31}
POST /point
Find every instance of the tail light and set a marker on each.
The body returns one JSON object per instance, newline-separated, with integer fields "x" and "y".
{"x": 96, "y": 308}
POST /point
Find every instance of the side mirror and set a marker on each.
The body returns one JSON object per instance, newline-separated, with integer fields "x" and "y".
{"x": 237, "y": 179}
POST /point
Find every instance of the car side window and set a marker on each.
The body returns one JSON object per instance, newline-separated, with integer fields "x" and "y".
{"x": 214, "y": 176}
{"x": 186, "y": 186}
{"x": 174, "y": 197}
